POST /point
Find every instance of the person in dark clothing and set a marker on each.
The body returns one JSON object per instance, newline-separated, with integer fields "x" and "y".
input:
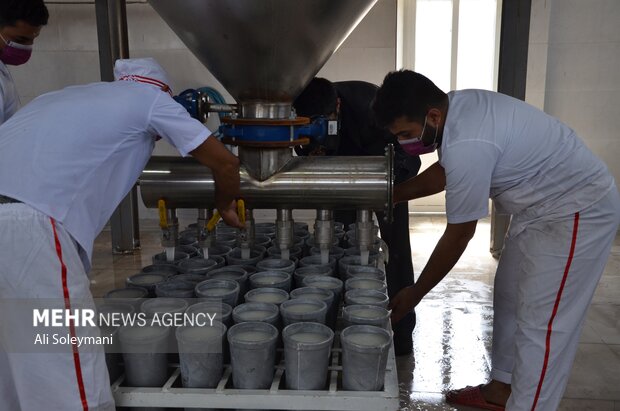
{"x": 349, "y": 104}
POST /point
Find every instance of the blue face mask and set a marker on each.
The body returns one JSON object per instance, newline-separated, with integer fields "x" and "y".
{"x": 415, "y": 146}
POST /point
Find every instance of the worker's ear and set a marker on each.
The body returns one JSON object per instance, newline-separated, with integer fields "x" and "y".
{"x": 434, "y": 117}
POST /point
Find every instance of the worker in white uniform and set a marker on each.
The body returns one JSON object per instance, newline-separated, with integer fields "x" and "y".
{"x": 20, "y": 24}
{"x": 66, "y": 161}
{"x": 566, "y": 211}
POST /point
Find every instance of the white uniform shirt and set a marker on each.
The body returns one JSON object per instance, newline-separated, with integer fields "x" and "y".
{"x": 530, "y": 163}
{"x": 9, "y": 100}
{"x": 75, "y": 153}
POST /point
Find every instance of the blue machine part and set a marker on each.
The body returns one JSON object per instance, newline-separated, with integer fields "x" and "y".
{"x": 317, "y": 130}
{"x": 190, "y": 99}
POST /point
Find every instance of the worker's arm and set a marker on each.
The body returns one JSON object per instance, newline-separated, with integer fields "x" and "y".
{"x": 225, "y": 168}
{"x": 447, "y": 252}
{"x": 430, "y": 181}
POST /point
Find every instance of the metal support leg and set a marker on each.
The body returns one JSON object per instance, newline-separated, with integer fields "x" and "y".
{"x": 512, "y": 75}
{"x": 114, "y": 44}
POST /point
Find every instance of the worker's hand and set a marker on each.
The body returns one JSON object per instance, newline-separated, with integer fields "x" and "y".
{"x": 402, "y": 304}
{"x": 229, "y": 215}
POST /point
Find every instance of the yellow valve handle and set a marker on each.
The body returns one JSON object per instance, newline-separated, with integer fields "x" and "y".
{"x": 213, "y": 221}
{"x": 241, "y": 210}
{"x": 163, "y": 219}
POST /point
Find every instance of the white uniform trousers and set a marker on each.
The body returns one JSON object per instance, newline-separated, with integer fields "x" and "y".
{"x": 544, "y": 284}
{"x": 39, "y": 262}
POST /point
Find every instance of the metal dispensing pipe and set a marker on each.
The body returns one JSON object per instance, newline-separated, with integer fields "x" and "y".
{"x": 358, "y": 183}
{"x": 285, "y": 228}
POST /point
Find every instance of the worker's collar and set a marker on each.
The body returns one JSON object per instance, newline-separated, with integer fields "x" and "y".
{"x": 147, "y": 80}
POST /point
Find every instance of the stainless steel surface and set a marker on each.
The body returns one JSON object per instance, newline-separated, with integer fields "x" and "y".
{"x": 266, "y": 110}
{"x": 246, "y": 235}
{"x": 221, "y": 108}
{"x": 285, "y": 228}
{"x": 303, "y": 183}
{"x": 205, "y": 239}
{"x": 324, "y": 228}
{"x": 170, "y": 234}
{"x": 262, "y": 163}
{"x": 263, "y": 50}
{"x": 113, "y": 41}
{"x": 364, "y": 229}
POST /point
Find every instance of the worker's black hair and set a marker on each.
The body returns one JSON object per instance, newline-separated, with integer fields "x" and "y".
{"x": 33, "y": 12}
{"x": 405, "y": 93}
{"x": 319, "y": 98}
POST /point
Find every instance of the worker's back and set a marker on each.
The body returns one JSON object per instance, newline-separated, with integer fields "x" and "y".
{"x": 75, "y": 153}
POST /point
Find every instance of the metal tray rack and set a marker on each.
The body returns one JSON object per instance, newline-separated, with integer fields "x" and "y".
{"x": 224, "y": 396}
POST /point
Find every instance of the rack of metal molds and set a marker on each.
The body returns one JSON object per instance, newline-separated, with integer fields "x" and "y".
{"x": 277, "y": 397}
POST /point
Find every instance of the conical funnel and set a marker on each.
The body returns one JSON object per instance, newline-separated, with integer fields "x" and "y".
{"x": 263, "y": 50}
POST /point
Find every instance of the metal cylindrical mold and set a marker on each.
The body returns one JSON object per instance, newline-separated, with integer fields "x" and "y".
{"x": 334, "y": 251}
{"x": 271, "y": 279}
{"x": 218, "y": 311}
{"x": 366, "y": 297}
{"x": 201, "y": 354}
{"x": 364, "y": 271}
{"x": 267, "y": 295}
{"x": 161, "y": 258}
{"x": 253, "y": 354}
{"x": 294, "y": 252}
{"x": 218, "y": 250}
{"x": 147, "y": 280}
{"x": 229, "y": 240}
{"x": 113, "y": 356}
{"x": 161, "y": 268}
{"x": 364, "y": 357}
{"x": 321, "y": 294}
{"x": 189, "y": 278}
{"x": 250, "y": 269}
{"x": 226, "y": 291}
{"x": 161, "y": 306}
{"x": 261, "y": 312}
{"x": 303, "y": 310}
{"x": 306, "y": 355}
{"x": 235, "y": 257}
{"x": 131, "y": 295}
{"x": 365, "y": 284}
{"x": 276, "y": 264}
{"x": 175, "y": 289}
{"x": 349, "y": 260}
{"x": 145, "y": 351}
{"x": 232, "y": 272}
{"x": 316, "y": 260}
{"x": 310, "y": 270}
{"x": 196, "y": 265}
{"x": 354, "y": 183}
{"x": 366, "y": 315}
{"x": 335, "y": 285}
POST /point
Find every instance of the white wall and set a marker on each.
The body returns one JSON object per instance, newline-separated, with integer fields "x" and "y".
{"x": 574, "y": 70}
{"x": 66, "y": 53}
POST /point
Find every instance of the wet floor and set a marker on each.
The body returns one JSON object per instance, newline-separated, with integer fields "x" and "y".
{"x": 452, "y": 339}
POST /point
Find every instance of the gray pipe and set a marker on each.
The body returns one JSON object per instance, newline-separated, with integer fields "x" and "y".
{"x": 303, "y": 183}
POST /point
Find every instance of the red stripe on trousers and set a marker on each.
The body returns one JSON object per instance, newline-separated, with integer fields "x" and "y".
{"x": 65, "y": 291}
{"x": 555, "y": 310}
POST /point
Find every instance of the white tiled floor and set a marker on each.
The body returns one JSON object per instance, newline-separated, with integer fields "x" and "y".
{"x": 453, "y": 335}
{"x": 454, "y": 328}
